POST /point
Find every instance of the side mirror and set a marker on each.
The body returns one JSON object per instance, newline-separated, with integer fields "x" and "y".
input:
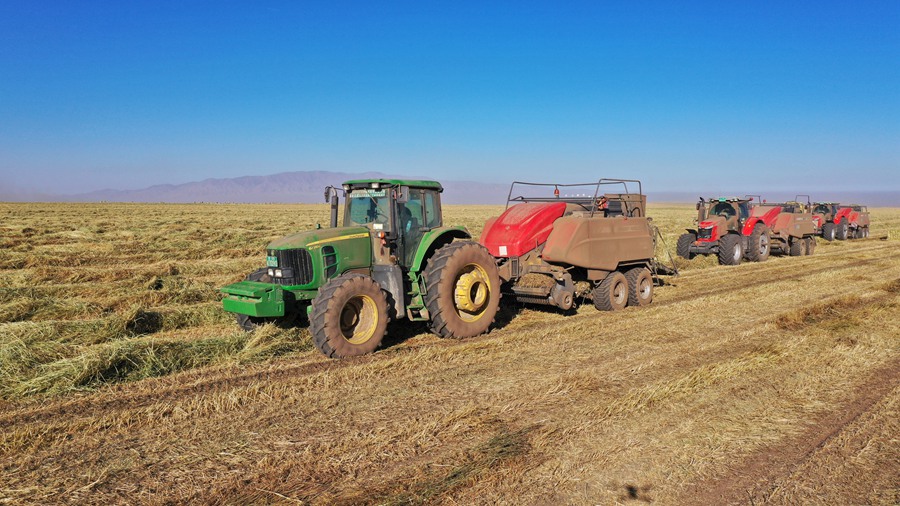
{"x": 328, "y": 190}
{"x": 403, "y": 195}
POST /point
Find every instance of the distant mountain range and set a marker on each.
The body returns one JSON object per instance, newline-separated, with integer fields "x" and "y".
{"x": 308, "y": 186}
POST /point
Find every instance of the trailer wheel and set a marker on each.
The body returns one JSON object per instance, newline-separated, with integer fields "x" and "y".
{"x": 349, "y": 316}
{"x": 463, "y": 290}
{"x": 759, "y": 244}
{"x": 683, "y": 246}
{"x": 640, "y": 286}
{"x": 828, "y": 232}
{"x": 841, "y": 230}
{"x": 250, "y": 323}
{"x": 730, "y": 249}
{"x": 612, "y": 293}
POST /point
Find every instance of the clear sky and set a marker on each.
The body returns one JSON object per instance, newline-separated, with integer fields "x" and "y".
{"x": 125, "y": 94}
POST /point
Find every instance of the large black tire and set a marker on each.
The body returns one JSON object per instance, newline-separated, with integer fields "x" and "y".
{"x": 349, "y": 316}
{"x": 612, "y": 293}
{"x": 810, "y": 245}
{"x": 796, "y": 248}
{"x": 683, "y": 246}
{"x": 463, "y": 290}
{"x": 640, "y": 286}
{"x": 841, "y": 230}
{"x": 730, "y": 249}
{"x": 828, "y": 232}
{"x": 759, "y": 244}
{"x": 250, "y": 323}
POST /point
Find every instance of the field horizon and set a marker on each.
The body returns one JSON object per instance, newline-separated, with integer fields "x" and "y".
{"x": 122, "y": 380}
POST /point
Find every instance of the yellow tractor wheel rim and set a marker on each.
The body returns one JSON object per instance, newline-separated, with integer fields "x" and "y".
{"x": 472, "y": 292}
{"x": 359, "y": 317}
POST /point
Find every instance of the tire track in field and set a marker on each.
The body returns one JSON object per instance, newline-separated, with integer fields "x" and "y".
{"x": 126, "y": 399}
{"x": 756, "y": 475}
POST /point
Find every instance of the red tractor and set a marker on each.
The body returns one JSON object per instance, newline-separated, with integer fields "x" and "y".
{"x": 836, "y": 221}
{"x": 731, "y": 229}
{"x": 552, "y": 248}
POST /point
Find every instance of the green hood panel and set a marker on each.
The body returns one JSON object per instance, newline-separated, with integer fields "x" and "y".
{"x": 312, "y": 239}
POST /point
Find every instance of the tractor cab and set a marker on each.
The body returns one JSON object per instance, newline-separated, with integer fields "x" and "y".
{"x": 398, "y": 214}
{"x": 732, "y": 210}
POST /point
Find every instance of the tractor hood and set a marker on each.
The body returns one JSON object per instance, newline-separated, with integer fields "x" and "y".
{"x": 344, "y": 237}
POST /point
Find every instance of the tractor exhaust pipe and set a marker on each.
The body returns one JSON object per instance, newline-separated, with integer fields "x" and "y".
{"x": 331, "y": 197}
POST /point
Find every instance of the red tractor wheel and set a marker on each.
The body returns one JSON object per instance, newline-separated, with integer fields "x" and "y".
{"x": 612, "y": 293}
{"x": 730, "y": 250}
{"x": 828, "y": 232}
{"x": 683, "y": 246}
{"x": 759, "y": 244}
{"x": 841, "y": 231}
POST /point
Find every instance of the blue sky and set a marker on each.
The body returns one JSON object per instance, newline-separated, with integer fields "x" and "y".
{"x": 684, "y": 95}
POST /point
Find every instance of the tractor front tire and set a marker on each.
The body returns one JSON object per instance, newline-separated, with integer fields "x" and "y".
{"x": 683, "y": 246}
{"x": 612, "y": 293}
{"x": 841, "y": 231}
{"x": 760, "y": 244}
{"x": 730, "y": 249}
{"x": 828, "y": 232}
{"x": 640, "y": 286}
{"x": 349, "y": 316}
{"x": 463, "y": 290}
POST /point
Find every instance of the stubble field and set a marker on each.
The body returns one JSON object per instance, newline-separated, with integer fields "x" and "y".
{"x": 123, "y": 381}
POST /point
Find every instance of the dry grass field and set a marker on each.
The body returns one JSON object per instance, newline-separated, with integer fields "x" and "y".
{"x": 122, "y": 380}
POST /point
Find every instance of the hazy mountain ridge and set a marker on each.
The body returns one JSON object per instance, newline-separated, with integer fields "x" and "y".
{"x": 308, "y": 186}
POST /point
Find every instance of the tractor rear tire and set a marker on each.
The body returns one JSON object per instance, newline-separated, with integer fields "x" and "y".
{"x": 463, "y": 290}
{"x": 828, "y": 232}
{"x": 759, "y": 244}
{"x": 841, "y": 231}
{"x": 612, "y": 293}
{"x": 349, "y": 316}
{"x": 683, "y": 246}
{"x": 250, "y": 323}
{"x": 730, "y": 249}
{"x": 640, "y": 286}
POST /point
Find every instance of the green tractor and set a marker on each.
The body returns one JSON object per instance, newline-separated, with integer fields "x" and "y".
{"x": 392, "y": 258}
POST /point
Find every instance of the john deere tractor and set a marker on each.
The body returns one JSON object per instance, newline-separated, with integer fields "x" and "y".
{"x": 392, "y": 258}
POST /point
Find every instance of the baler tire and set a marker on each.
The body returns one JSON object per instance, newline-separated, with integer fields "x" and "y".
{"x": 730, "y": 249}
{"x": 795, "y": 249}
{"x": 463, "y": 290}
{"x": 349, "y": 316}
{"x": 683, "y": 246}
{"x": 759, "y": 245}
{"x": 810, "y": 245}
{"x": 612, "y": 293}
{"x": 828, "y": 232}
{"x": 640, "y": 286}
{"x": 841, "y": 231}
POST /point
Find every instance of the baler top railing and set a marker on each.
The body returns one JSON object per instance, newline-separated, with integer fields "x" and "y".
{"x": 590, "y": 203}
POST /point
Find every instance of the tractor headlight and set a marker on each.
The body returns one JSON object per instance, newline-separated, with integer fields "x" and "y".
{"x": 278, "y": 273}
{"x": 271, "y": 272}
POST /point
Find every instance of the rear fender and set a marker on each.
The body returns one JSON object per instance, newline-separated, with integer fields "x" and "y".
{"x": 434, "y": 239}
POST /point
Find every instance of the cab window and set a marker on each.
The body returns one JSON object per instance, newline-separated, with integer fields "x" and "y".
{"x": 432, "y": 210}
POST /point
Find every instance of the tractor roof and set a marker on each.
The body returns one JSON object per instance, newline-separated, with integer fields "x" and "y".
{"x": 415, "y": 183}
